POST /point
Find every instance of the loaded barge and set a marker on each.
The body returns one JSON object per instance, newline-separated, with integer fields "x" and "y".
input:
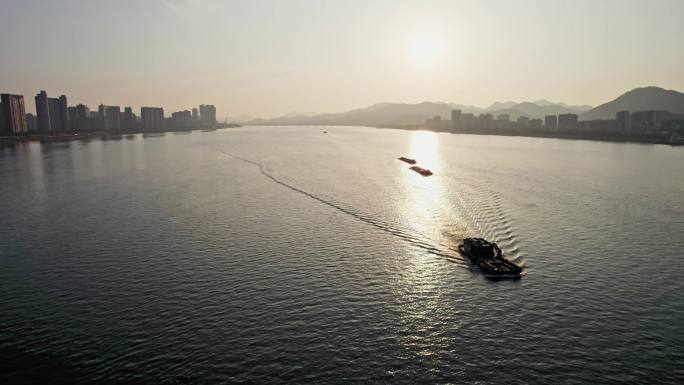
{"x": 421, "y": 171}
{"x": 487, "y": 256}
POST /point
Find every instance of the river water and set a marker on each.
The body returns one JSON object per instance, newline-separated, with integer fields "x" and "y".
{"x": 312, "y": 255}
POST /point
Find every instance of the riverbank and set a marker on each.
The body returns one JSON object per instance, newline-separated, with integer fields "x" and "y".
{"x": 553, "y": 135}
{"x": 101, "y": 135}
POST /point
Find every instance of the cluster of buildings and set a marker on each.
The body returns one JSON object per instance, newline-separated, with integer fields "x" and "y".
{"x": 626, "y": 124}
{"x": 54, "y": 115}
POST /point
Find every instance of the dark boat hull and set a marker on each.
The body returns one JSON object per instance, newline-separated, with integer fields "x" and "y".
{"x": 495, "y": 267}
{"x": 421, "y": 171}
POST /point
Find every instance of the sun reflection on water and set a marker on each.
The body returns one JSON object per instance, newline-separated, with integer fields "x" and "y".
{"x": 424, "y": 198}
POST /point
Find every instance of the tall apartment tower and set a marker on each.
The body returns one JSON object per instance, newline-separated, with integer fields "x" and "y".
{"x": 567, "y": 122}
{"x": 110, "y": 118}
{"x": 455, "y": 119}
{"x": 207, "y": 115}
{"x": 551, "y": 122}
{"x": 151, "y": 118}
{"x": 43, "y": 112}
{"x": 13, "y": 114}
{"x": 58, "y": 113}
{"x": 127, "y": 119}
{"x": 622, "y": 119}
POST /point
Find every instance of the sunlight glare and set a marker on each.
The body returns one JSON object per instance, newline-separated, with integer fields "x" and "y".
{"x": 426, "y": 47}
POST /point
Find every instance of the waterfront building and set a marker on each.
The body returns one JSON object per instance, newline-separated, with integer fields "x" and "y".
{"x": 485, "y": 121}
{"x": 3, "y": 129}
{"x": 58, "y": 114}
{"x": 127, "y": 119}
{"x": 647, "y": 122}
{"x": 455, "y": 119}
{"x": 151, "y": 118}
{"x": 435, "y": 122}
{"x": 551, "y": 122}
{"x": 13, "y": 114}
{"x": 599, "y": 127}
{"x": 567, "y": 122}
{"x": 207, "y": 115}
{"x": 523, "y": 121}
{"x": 623, "y": 122}
{"x": 79, "y": 117}
{"x": 536, "y": 124}
{"x": 95, "y": 123}
{"x": 31, "y": 122}
{"x": 43, "y": 112}
{"x": 109, "y": 117}
{"x": 181, "y": 119}
{"x": 468, "y": 120}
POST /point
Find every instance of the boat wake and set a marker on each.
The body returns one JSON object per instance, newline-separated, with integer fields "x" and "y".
{"x": 481, "y": 220}
{"x": 483, "y": 211}
{"x": 405, "y": 234}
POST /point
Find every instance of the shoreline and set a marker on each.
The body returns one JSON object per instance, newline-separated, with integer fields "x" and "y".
{"x": 558, "y": 135}
{"x": 102, "y": 135}
{"x": 563, "y": 136}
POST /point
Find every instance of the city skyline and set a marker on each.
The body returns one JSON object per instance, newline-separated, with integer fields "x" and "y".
{"x": 55, "y": 115}
{"x": 269, "y": 58}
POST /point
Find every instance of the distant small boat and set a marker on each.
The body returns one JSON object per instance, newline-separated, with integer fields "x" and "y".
{"x": 421, "y": 171}
{"x": 407, "y": 160}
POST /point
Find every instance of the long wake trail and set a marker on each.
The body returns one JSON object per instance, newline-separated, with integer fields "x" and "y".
{"x": 390, "y": 229}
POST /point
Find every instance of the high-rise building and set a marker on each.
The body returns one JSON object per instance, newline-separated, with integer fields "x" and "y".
{"x": 523, "y": 121}
{"x": 623, "y": 122}
{"x": 535, "y": 124}
{"x": 3, "y": 129}
{"x": 58, "y": 114}
{"x": 207, "y": 115}
{"x": 151, "y": 118}
{"x": 13, "y": 114}
{"x": 127, "y": 119}
{"x": 195, "y": 117}
{"x": 109, "y": 117}
{"x": 182, "y": 119}
{"x": 551, "y": 122}
{"x": 455, "y": 119}
{"x": 567, "y": 122}
{"x": 43, "y": 112}
{"x": 95, "y": 123}
{"x": 31, "y": 122}
{"x": 646, "y": 122}
{"x": 79, "y": 118}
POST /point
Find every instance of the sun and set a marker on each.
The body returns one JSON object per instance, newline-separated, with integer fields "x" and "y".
{"x": 426, "y": 47}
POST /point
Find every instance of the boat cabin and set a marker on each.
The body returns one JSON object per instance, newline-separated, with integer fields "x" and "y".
{"x": 479, "y": 248}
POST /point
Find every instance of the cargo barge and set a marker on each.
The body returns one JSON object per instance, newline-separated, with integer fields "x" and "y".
{"x": 487, "y": 256}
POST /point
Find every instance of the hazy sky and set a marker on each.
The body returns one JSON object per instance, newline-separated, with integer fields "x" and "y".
{"x": 269, "y": 58}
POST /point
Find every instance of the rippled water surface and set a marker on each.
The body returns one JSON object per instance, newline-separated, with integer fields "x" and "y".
{"x": 272, "y": 255}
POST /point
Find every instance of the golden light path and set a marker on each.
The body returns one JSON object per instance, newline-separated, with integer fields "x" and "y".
{"x": 421, "y": 209}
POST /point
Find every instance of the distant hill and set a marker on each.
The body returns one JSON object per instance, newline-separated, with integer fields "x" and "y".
{"x": 375, "y": 115}
{"x": 580, "y": 108}
{"x": 639, "y": 99}
{"x": 501, "y": 106}
{"x": 406, "y": 114}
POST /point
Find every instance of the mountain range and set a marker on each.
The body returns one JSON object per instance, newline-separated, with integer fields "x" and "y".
{"x": 639, "y": 99}
{"x": 408, "y": 114}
